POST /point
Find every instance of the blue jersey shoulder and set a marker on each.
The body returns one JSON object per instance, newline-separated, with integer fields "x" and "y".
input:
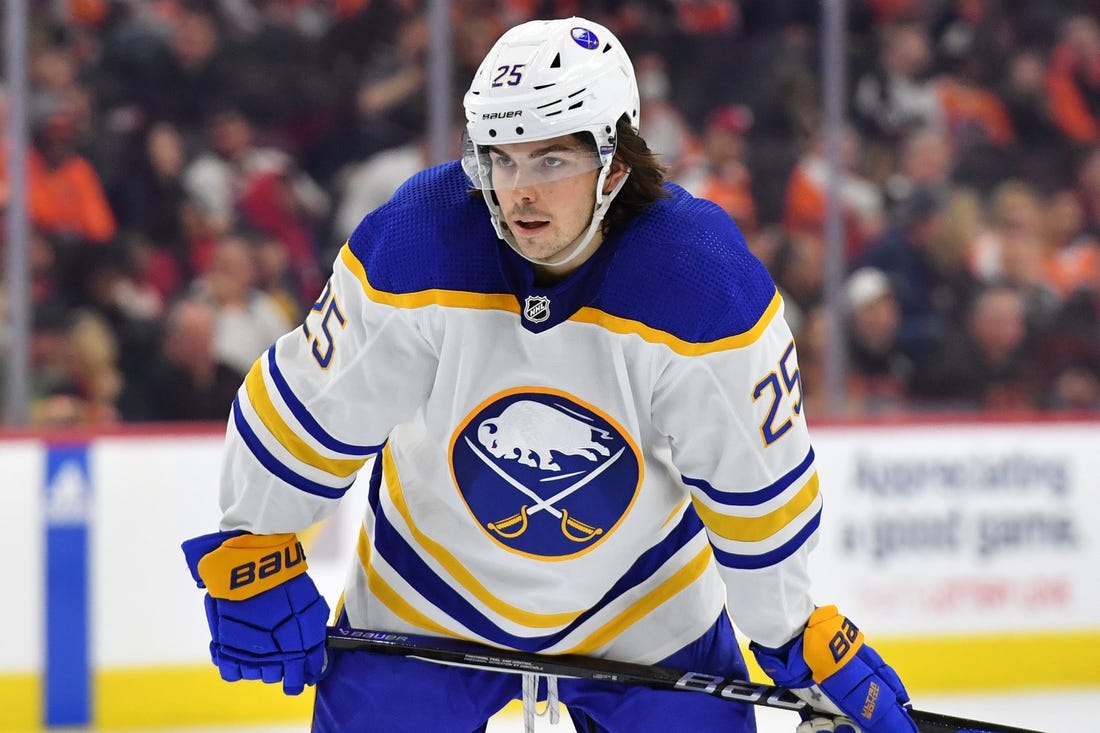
{"x": 432, "y": 234}
{"x": 683, "y": 267}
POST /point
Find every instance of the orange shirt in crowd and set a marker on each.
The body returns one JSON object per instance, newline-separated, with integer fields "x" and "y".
{"x": 805, "y": 203}
{"x": 1068, "y": 107}
{"x": 65, "y": 199}
{"x": 731, "y": 188}
{"x": 964, "y": 105}
{"x": 1075, "y": 267}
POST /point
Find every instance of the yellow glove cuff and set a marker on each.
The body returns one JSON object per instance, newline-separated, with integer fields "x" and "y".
{"x": 829, "y": 642}
{"x": 249, "y": 564}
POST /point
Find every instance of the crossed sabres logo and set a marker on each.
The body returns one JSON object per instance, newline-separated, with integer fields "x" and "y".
{"x": 585, "y": 38}
{"x": 519, "y": 445}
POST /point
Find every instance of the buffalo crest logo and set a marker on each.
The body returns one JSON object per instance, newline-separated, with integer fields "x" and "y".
{"x": 585, "y": 38}
{"x": 544, "y": 474}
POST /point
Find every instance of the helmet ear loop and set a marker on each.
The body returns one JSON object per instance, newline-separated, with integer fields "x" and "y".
{"x": 610, "y": 195}
{"x": 600, "y": 181}
{"x": 497, "y": 218}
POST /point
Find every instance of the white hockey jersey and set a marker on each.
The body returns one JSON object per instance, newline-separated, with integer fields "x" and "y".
{"x": 595, "y": 467}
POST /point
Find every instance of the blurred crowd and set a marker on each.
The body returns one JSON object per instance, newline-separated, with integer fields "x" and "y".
{"x": 196, "y": 164}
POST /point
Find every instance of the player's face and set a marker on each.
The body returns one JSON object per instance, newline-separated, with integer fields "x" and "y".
{"x": 547, "y": 192}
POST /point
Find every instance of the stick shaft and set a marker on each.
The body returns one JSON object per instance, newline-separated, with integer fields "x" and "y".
{"x": 468, "y": 654}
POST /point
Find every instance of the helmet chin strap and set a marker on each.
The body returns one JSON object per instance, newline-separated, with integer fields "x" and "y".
{"x": 603, "y": 203}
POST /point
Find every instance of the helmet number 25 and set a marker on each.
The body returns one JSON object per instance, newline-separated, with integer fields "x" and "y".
{"x": 509, "y": 75}
{"x": 779, "y": 386}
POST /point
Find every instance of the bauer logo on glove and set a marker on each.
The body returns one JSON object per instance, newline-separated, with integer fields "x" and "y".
{"x": 266, "y": 566}
{"x": 234, "y": 571}
{"x": 267, "y": 619}
{"x": 830, "y": 666}
{"x": 828, "y": 631}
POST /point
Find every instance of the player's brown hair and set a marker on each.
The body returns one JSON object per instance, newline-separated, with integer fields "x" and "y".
{"x": 643, "y": 186}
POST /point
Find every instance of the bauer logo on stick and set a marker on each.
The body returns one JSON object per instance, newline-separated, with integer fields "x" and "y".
{"x": 565, "y": 473}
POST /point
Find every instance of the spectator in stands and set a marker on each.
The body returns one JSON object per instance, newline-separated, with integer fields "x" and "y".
{"x": 1069, "y": 366}
{"x": 878, "y": 371}
{"x": 153, "y": 204}
{"x": 1073, "y": 80}
{"x": 231, "y": 161}
{"x": 275, "y": 67}
{"x": 924, "y": 162}
{"x": 55, "y": 78}
{"x": 799, "y": 270}
{"x": 185, "y": 381}
{"x": 1013, "y": 250}
{"x": 49, "y": 351}
{"x": 274, "y": 205}
{"x": 1038, "y": 154}
{"x": 248, "y": 320}
{"x": 860, "y": 199}
{"x": 275, "y": 277}
{"x": 238, "y": 182}
{"x": 975, "y": 120}
{"x": 667, "y": 130}
{"x": 391, "y": 99}
{"x": 80, "y": 364}
{"x": 65, "y": 196}
{"x": 366, "y": 185}
{"x": 963, "y": 222}
{"x": 166, "y": 61}
{"x": 724, "y": 176}
{"x": 133, "y": 310}
{"x": 957, "y": 26}
{"x": 897, "y": 96}
{"x": 905, "y": 252}
{"x": 1074, "y": 252}
{"x": 984, "y": 363}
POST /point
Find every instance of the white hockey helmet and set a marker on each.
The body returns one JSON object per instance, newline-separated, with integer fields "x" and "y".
{"x": 543, "y": 79}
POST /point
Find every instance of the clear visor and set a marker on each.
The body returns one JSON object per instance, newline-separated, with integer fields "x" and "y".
{"x": 518, "y": 165}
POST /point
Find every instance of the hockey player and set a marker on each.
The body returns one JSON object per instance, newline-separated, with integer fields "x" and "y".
{"x": 587, "y": 415}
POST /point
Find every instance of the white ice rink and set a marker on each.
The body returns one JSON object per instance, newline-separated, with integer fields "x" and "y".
{"x": 1062, "y": 711}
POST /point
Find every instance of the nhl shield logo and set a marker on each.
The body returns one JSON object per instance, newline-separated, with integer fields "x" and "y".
{"x": 536, "y": 308}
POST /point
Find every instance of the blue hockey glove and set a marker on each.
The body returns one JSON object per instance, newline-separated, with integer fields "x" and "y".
{"x": 831, "y": 659}
{"x": 267, "y": 619}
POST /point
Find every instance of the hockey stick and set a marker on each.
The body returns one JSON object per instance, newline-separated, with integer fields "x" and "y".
{"x": 468, "y": 654}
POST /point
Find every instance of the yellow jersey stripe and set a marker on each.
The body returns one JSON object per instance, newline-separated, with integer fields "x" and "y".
{"x": 261, "y": 401}
{"x": 458, "y": 571}
{"x": 683, "y": 577}
{"x": 626, "y": 326}
{"x": 674, "y": 513}
{"x": 754, "y": 529}
{"x": 421, "y": 298}
{"x": 388, "y": 596}
{"x": 594, "y": 316}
